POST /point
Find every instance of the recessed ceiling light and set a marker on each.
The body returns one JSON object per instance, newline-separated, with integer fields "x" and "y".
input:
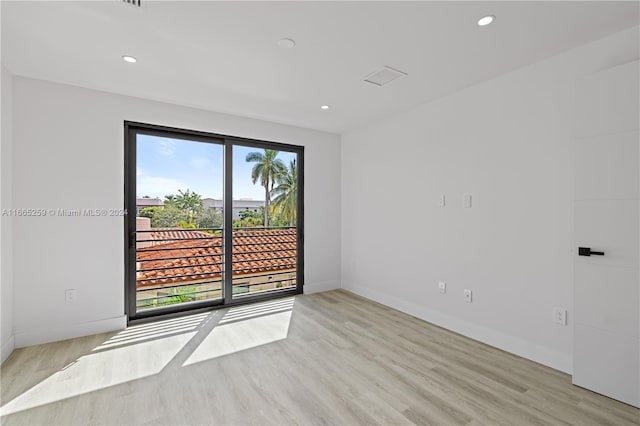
{"x": 324, "y": 107}
{"x": 129, "y": 59}
{"x": 286, "y": 43}
{"x": 486, "y": 20}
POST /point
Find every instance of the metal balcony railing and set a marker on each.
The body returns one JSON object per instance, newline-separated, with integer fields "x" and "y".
{"x": 176, "y": 265}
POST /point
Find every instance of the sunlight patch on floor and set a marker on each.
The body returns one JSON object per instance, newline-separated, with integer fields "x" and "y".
{"x": 134, "y": 353}
{"x": 154, "y": 330}
{"x": 244, "y": 328}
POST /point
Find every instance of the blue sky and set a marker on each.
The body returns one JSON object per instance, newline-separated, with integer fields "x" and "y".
{"x": 165, "y": 165}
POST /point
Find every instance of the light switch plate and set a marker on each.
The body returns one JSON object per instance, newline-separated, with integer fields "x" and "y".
{"x": 466, "y": 201}
{"x": 560, "y": 316}
{"x": 441, "y": 201}
{"x": 70, "y": 295}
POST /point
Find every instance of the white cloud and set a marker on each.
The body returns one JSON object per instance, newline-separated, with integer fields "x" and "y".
{"x": 167, "y": 147}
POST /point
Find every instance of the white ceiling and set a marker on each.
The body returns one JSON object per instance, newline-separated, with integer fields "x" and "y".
{"x": 223, "y": 56}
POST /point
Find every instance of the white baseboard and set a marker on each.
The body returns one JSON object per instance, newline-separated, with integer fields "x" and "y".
{"x": 46, "y": 335}
{"x": 543, "y": 355}
{"x": 321, "y": 286}
{"x": 7, "y": 347}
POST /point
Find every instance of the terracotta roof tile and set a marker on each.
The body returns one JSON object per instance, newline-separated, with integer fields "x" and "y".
{"x": 157, "y": 236}
{"x": 254, "y": 251}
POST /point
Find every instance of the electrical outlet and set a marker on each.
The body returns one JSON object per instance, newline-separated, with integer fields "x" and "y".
{"x": 560, "y": 316}
{"x": 442, "y": 286}
{"x": 467, "y": 296}
{"x": 441, "y": 200}
{"x": 70, "y": 295}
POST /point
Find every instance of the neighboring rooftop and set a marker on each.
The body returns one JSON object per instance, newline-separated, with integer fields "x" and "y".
{"x": 148, "y": 202}
{"x": 200, "y": 258}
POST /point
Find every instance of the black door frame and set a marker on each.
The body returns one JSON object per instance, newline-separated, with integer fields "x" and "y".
{"x": 131, "y": 130}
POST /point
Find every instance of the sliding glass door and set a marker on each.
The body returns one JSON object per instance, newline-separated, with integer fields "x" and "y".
{"x": 213, "y": 220}
{"x": 265, "y": 243}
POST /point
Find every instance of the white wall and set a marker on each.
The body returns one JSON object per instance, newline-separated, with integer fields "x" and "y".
{"x": 6, "y": 230}
{"x": 68, "y": 142}
{"x": 508, "y": 143}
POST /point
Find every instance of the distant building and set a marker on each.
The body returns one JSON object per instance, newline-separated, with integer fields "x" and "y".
{"x": 142, "y": 203}
{"x": 207, "y": 203}
{"x": 238, "y": 205}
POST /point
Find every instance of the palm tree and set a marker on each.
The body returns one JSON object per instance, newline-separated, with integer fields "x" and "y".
{"x": 285, "y": 195}
{"x": 169, "y": 199}
{"x": 267, "y": 169}
{"x": 188, "y": 201}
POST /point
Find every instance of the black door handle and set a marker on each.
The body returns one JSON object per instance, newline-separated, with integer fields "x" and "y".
{"x": 586, "y": 251}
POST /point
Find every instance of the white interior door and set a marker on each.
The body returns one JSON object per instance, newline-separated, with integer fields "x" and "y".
{"x": 606, "y": 352}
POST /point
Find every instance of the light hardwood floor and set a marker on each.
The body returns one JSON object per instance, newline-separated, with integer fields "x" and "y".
{"x": 331, "y": 358}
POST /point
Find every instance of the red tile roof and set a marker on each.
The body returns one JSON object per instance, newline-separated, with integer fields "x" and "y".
{"x": 199, "y": 258}
{"x": 161, "y": 235}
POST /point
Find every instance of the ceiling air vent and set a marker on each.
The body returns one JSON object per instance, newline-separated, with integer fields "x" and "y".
{"x": 137, "y": 3}
{"x": 384, "y": 76}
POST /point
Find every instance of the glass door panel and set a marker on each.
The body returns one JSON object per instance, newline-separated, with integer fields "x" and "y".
{"x": 265, "y": 211}
{"x": 179, "y": 222}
